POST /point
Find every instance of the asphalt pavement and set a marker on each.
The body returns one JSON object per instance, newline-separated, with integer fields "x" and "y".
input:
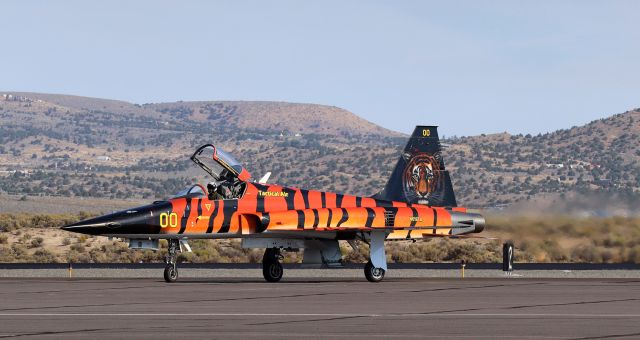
{"x": 470, "y": 308}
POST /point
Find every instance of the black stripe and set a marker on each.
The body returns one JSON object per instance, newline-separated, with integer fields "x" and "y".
{"x": 213, "y": 216}
{"x": 371, "y": 214}
{"x": 290, "y": 198}
{"x": 435, "y": 216}
{"x": 227, "y": 211}
{"x": 323, "y": 200}
{"x": 329, "y": 218}
{"x": 393, "y": 211}
{"x": 435, "y": 219}
{"x": 259, "y": 198}
{"x": 305, "y": 197}
{"x": 345, "y": 216}
{"x": 383, "y": 204}
{"x": 339, "y": 199}
{"x": 316, "y": 218}
{"x": 300, "y": 219}
{"x": 358, "y": 201}
{"x": 260, "y": 204}
{"x": 199, "y": 209}
{"x": 185, "y": 216}
{"x": 264, "y": 222}
{"x": 414, "y": 216}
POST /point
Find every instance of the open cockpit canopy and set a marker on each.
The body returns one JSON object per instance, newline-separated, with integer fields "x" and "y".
{"x": 219, "y": 164}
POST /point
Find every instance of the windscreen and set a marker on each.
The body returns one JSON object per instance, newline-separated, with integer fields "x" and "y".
{"x": 192, "y": 191}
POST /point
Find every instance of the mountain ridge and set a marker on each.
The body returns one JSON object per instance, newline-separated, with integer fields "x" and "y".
{"x": 80, "y": 146}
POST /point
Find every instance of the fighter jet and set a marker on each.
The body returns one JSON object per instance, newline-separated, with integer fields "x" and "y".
{"x": 417, "y": 203}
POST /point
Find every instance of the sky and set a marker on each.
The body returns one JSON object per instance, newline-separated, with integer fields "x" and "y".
{"x": 471, "y": 67}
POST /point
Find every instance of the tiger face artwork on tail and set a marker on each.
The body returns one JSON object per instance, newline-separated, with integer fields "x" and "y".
{"x": 421, "y": 177}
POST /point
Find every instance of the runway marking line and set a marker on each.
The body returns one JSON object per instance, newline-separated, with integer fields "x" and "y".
{"x": 393, "y": 315}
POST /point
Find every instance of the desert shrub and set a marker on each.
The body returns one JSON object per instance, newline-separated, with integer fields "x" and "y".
{"x": 6, "y": 254}
{"x": 586, "y": 253}
{"x": 4, "y": 239}
{"x": 37, "y": 242}
{"x": 633, "y": 255}
{"x": 44, "y": 256}
{"x": 77, "y": 257}
{"x": 78, "y": 247}
{"x": 19, "y": 251}
{"x": 11, "y": 222}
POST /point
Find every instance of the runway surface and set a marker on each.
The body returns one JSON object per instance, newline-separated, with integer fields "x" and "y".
{"x": 321, "y": 308}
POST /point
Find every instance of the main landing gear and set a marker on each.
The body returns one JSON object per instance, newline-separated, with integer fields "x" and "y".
{"x": 372, "y": 273}
{"x": 271, "y": 266}
{"x": 171, "y": 269}
{"x": 377, "y": 266}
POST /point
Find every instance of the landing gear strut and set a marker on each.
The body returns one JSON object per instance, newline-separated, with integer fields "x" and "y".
{"x": 171, "y": 269}
{"x": 271, "y": 266}
{"x": 377, "y": 265}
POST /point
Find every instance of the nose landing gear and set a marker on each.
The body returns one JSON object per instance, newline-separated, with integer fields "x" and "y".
{"x": 171, "y": 269}
{"x": 271, "y": 267}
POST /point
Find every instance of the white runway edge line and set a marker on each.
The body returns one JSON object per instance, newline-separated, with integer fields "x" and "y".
{"x": 398, "y": 315}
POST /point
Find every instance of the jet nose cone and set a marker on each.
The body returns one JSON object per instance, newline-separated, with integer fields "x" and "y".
{"x": 67, "y": 227}
{"x": 94, "y": 226}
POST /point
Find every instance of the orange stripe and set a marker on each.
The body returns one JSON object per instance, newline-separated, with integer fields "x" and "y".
{"x": 234, "y": 224}
{"x": 331, "y": 199}
{"x": 249, "y": 202}
{"x": 298, "y": 200}
{"x": 272, "y": 203}
{"x": 315, "y": 201}
{"x": 323, "y": 216}
{"x": 444, "y": 218}
{"x": 348, "y": 202}
{"x": 399, "y": 204}
{"x": 368, "y": 202}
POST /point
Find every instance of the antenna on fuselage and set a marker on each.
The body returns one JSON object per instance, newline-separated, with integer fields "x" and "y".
{"x": 265, "y": 178}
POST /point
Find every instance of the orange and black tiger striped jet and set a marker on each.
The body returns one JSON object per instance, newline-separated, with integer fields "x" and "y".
{"x": 417, "y": 202}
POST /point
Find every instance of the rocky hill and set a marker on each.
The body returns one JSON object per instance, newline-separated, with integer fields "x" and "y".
{"x": 59, "y": 145}
{"x": 600, "y": 157}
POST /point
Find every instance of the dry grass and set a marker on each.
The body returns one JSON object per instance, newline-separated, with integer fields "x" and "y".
{"x": 36, "y": 238}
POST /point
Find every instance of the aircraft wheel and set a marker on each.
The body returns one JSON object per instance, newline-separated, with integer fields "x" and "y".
{"x": 170, "y": 273}
{"x": 272, "y": 271}
{"x": 372, "y": 273}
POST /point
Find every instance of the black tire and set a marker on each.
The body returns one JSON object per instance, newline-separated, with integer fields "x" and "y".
{"x": 272, "y": 271}
{"x": 170, "y": 273}
{"x": 372, "y": 273}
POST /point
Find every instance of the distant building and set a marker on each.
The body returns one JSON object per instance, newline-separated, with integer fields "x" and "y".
{"x": 103, "y": 158}
{"x": 555, "y": 165}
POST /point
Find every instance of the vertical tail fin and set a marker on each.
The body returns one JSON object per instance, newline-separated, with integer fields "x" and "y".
{"x": 419, "y": 176}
